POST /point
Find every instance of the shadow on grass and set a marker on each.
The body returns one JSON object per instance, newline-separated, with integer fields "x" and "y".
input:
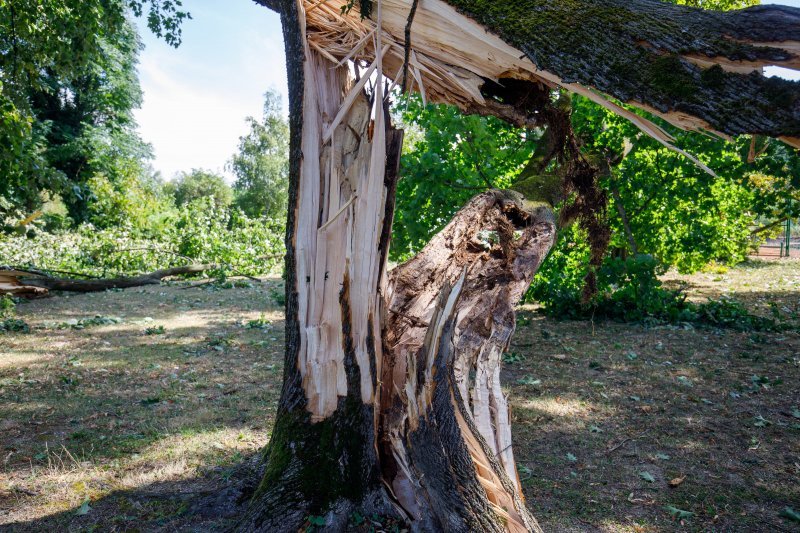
{"x": 210, "y": 503}
{"x": 126, "y": 390}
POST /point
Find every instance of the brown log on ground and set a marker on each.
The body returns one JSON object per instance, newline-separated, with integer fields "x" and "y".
{"x": 391, "y": 402}
{"x": 35, "y": 283}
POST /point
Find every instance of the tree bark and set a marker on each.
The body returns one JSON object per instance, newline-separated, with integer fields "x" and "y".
{"x": 697, "y": 69}
{"x": 391, "y": 404}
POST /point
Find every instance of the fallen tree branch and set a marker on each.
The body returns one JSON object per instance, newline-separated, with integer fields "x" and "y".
{"x": 35, "y": 282}
{"x": 769, "y": 226}
{"x": 625, "y": 441}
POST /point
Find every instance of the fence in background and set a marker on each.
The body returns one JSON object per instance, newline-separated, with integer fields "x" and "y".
{"x": 787, "y": 244}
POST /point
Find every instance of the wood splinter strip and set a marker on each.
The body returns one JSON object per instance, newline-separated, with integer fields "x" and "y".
{"x": 351, "y": 97}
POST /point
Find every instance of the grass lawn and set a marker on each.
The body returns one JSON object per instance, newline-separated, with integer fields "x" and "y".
{"x": 151, "y": 417}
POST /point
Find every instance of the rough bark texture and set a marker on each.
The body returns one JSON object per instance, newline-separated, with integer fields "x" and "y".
{"x": 697, "y": 69}
{"x": 445, "y": 429}
{"x": 668, "y": 57}
{"x": 322, "y": 457}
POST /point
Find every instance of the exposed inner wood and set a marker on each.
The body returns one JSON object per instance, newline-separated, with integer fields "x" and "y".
{"x": 391, "y": 399}
{"x": 339, "y": 215}
{"x": 483, "y": 262}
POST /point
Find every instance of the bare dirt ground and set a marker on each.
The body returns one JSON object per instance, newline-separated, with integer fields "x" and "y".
{"x": 151, "y": 417}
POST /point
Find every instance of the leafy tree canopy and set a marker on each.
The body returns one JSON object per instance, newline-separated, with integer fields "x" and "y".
{"x": 68, "y": 86}
{"x": 199, "y": 183}
{"x": 261, "y": 165}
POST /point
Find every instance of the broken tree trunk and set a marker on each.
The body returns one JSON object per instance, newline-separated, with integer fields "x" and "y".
{"x": 445, "y": 425}
{"x": 391, "y": 403}
{"x": 36, "y": 283}
{"x": 380, "y": 412}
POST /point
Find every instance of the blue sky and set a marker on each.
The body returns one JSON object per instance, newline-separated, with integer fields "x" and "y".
{"x": 196, "y": 97}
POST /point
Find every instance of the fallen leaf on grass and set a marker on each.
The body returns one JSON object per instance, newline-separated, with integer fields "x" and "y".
{"x": 678, "y": 513}
{"x": 84, "y": 508}
{"x": 761, "y": 422}
{"x": 790, "y": 514}
{"x": 571, "y": 458}
{"x": 644, "y": 501}
{"x": 647, "y": 476}
{"x": 663, "y": 456}
{"x": 674, "y": 482}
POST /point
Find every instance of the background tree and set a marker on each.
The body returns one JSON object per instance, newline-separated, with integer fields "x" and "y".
{"x": 67, "y": 87}
{"x": 261, "y": 165}
{"x": 198, "y": 183}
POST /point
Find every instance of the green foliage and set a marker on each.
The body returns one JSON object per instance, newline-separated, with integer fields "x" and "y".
{"x": 8, "y": 308}
{"x": 449, "y": 158}
{"x": 16, "y": 325}
{"x": 721, "y": 5}
{"x": 261, "y": 165}
{"x": 8, "y": 320}
{"x": 68, "y": 85}
{"x": 629, "y": 290}
{"x": 199, "y": 232}
{"x": 136, "y": 202}
{"x": 155, "y": 330}
{"x": 199, "y": 183}
{"x": 677, "y": 212}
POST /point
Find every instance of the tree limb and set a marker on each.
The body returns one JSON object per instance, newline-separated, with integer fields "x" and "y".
{"x": 35, "y": 280}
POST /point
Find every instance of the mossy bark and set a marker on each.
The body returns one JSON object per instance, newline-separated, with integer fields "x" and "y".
{"x": 645, "y": 51}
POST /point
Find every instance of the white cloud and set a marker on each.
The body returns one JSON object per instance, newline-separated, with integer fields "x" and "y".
{"x": 196, "y": 97}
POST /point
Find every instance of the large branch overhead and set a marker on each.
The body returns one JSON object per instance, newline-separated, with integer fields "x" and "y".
{"x": 697, "y": 69}
{"x": 658, "y": 55}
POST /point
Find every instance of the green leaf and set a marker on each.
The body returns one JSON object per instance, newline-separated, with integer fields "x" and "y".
{"x": 84, "y": 508}
{"x": 663, "y": 456}
{"x": 316, "y": 520}
{"x": 790, "y": 514}
{"x": 571, "y": 458}
{"x": 647, "y": 476}
{"x": 761, "y": 422}
{"x": 678, "y": 513}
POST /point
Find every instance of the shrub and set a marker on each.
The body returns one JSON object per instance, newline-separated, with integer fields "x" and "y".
{"x": 629, "y": 291}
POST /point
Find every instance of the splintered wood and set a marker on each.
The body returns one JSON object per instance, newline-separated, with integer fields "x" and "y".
{"x": 450, "y": 319}
{"x": 340, "y": 208}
